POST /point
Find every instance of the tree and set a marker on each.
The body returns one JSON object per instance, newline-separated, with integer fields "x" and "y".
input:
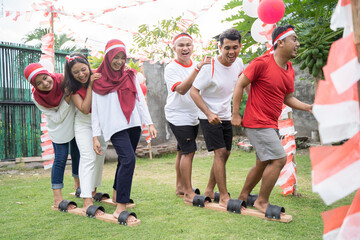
{"x": 62, "y": 42}
{"x": 155, "y": 43}
{"x": 311, "y": 19}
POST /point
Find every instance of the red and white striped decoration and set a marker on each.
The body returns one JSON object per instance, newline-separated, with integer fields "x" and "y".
{"x": 287, "y": 179}
{"x": 48, "y": 154}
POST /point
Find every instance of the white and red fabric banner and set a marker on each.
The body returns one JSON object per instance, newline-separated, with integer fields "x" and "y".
{"x": 342, "y": 17}
{"x": 335, "y": 169}
{"x": 337, "y": 114}
{"x": 343, "y": 67}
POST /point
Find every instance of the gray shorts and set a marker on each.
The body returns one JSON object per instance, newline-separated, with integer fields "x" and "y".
{"x": 266, "y": 143}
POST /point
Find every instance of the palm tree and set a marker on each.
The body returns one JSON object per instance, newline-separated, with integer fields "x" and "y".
{"x": 62, "y": 42}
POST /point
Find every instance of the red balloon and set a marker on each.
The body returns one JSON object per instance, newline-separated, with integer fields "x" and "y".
{"x": 271, "y": 11}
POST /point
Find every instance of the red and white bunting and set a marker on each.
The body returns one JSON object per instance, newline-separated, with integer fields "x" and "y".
{"x": 335, "y": 169}
{"x": 285, "y": 112}
{"x": 342, "y": 17}
{"x": 343, "y": 68}
{"x": 48, "y": 154}
{"x": 337, "y": 114}
{"x": 350, "y": 228}
{"x": 287, "y": 178}
{"x": 333, "y": 219}
{"x": 145, "y": 133}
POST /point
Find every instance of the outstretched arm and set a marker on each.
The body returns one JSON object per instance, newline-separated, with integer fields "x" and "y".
{"x": 241, "y": 84}
{"x": 184, "y": 87}
{"x": 293, "y": 102}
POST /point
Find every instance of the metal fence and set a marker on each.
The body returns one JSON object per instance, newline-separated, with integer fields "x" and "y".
{"x": 19, "y": 117}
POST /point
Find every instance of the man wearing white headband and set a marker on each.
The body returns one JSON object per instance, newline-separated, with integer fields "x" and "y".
{"x": 181, "y": 112}
{"x": 272, "y": 84}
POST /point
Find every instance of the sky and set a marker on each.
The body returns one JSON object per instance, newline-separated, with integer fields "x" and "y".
{"x": 210, "y": 22}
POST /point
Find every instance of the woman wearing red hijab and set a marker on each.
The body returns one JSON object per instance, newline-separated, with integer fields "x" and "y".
{"x": 59, "y": 111}
{"x": 118, "y": 112}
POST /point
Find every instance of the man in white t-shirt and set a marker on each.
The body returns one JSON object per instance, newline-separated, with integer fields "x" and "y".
{"x": 181, "y": 112}
{"x": 212, "y": 92}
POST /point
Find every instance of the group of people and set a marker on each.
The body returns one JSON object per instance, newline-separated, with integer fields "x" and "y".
{"x": 85, "y": 109}
{"x": 201, "y": 93}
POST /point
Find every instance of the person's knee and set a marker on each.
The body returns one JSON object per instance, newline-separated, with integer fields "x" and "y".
{"x": 222, "y": 154}
{"x": 281, "y": 162}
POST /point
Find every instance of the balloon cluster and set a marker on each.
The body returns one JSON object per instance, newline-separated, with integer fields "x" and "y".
{"x": 268, "y": 12}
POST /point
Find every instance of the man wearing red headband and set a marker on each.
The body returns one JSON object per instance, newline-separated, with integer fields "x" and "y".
{"x": 272, "y": 84}
{"x": 181, "y": 112}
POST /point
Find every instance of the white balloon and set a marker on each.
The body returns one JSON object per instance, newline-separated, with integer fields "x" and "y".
{"x": 250, "y": 7}
{"x": 261, "y": 32}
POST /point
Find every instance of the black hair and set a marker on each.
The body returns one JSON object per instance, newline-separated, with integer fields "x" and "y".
{"x": 231, "y": 34}
{"x": 278, "y": 30}
{"x": 70, "y": 83}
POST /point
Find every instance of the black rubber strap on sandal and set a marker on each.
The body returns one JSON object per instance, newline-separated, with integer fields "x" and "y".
{"x": 63, "y": 205}
{"x": 123, "y": 217}
{"x": 199, "y": 200}
{"x": 274, "y": 211}
{"x": 98, "y": 196}
{"x": 131, "y": 201}
{"x": 91, "y": 210}
{"x": 78, "y": 192}
{"x": 217, "y": 196}
{"x": 196, "y": 190}
{"x": 234, "y": 205}
{"x": 251, "y": 199}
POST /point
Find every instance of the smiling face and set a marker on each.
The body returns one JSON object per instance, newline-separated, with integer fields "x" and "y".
{"x": 118, "y": 61}
{"x": 80, "y": 72}
{"x": 44, "y": 82}
{"x": 291, "y": 45}
{"x": 229, "y": 51}
{"x": 184, "y": 49}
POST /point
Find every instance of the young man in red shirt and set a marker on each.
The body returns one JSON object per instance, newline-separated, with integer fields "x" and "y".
{"x": 272, "y": 84}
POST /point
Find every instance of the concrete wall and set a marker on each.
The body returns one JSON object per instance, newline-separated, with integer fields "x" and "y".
{"x": 156, "y": 97}
{"x": 304, "y": 122}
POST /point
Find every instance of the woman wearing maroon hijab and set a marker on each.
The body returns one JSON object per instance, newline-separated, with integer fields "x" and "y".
{"x": 48, "y": 96}
{"x": 118, "y": 112}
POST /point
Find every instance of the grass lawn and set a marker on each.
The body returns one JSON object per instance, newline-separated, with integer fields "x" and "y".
{"x": 26, "y": 198}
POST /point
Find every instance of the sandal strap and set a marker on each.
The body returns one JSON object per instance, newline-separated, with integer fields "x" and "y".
{"x": 124, "y": 216}
{"x": 199, "y": 200}
{"x": 274, "y": 211}
{"x": 78, "y": 192}
{"x": 63, "y": 205}
{"x": 99, "y": 195}
{"x": 234, "y": 205}
{"x": 91, "y": 210}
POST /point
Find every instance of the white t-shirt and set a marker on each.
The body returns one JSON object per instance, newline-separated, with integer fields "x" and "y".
{"x": 60, "y": 121}
{"x": 180, "y": 110}
{"x": 216, "y": 88}
{"x": 108, "y": 118}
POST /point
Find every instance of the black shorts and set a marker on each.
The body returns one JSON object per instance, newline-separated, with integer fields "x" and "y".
{"x": 217, "y": 136}
{"x": 185, "y": 136}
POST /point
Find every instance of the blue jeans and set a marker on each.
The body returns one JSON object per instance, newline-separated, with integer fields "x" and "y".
{"x": 125, "y": 143}
{"x": 61, "y": 154}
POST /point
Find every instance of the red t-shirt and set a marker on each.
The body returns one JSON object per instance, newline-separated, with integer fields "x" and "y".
{"x": 269, "y": 85}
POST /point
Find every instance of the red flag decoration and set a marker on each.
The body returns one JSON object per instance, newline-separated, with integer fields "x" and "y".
{"x": 342, "y": 17}
{"x": 333, "y": 219}
{"x": 350, "y": 228}
{"x": 336, "y": 169}
{"x": 337, "y": 114}
{"x": 343, "y": 68}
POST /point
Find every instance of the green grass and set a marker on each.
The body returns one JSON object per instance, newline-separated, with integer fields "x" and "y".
{"x": 26, "y": 198}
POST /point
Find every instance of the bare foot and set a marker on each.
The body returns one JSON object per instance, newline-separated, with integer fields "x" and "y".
{"x": 179, "y": 190}
{"x": 97, "y": 213}
{"x": 262, "y": 207}
{"x": 188, "y": 197}
{"x": 130, "y": 218}
{"x": 114, "y": 196}
{"x": 209, "y": 194}
{"x": 224, "y": 200}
